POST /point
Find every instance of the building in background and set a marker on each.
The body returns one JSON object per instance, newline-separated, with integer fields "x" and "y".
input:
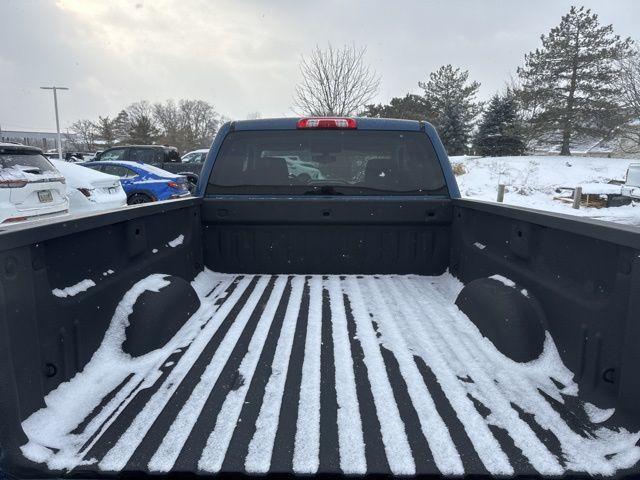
{"x": 43, "y": 140}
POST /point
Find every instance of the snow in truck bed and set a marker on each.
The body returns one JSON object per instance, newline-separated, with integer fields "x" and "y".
{"x": 305, "y": 374}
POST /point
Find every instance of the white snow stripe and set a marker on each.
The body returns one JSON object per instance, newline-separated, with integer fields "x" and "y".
{"x": 307, "y": 443}
{"x": 176, "y": 241}
{"x": 350, "y": 437}
{"x": 73, "y": 290}
{"x": 168, "y": 451}
{"x": 433, "y": 427}
{"x": 441, "y": 364}
{"x": 261, "y": 446}
{"x": 394, "y": 437}
{"x": 493, "y": 398}
{"x": 218, "y": 442}
{"x": 126, "y": 445}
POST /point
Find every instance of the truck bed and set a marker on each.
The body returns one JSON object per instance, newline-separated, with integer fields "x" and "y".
{"x": 327, "y": 374}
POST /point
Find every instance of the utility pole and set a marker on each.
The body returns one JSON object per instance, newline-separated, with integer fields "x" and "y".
{"x": 55, "y": 104}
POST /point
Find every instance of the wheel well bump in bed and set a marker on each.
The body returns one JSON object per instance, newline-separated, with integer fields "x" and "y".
{"x": 507, "y": 315}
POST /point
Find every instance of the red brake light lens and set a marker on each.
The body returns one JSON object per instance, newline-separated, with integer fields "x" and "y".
{"x": 14, "y": 219}
{"x": 13, "y": 183}
{"x": 327, "y": 122}
{"x": 173, "y": 185}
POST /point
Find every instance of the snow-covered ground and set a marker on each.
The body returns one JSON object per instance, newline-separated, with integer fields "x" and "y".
{"x": 532, "y": 182}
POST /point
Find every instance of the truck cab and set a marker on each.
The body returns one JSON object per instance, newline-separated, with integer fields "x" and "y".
{"x": 631, "y": 186}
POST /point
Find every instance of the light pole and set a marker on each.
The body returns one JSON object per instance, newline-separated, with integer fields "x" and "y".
{"x": 55, "y": 104}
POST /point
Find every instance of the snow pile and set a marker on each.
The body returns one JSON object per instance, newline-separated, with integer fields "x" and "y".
{"x": 79, "y": 287}
{"x": 532, "y": 182}
{"x": 176, "y": 241}
{"x": 596, "y": 414}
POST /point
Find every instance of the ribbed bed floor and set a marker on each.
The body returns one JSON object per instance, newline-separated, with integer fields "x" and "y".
{"x": 344, "y": 374}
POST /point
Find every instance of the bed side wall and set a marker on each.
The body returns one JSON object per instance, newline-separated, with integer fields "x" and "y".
{"x": 45, "y": 339}
{"x": 585, "y": 274}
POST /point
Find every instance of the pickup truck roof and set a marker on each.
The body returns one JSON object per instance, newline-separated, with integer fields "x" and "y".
{"x": 363, "y": 123}
{"x": 165, "y": 147}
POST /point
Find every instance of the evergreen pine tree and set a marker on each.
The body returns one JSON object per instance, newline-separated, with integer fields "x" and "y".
{"x": 122, "y": 124}
{"x": 142, "y": 126}
{"x": 451, "y": 98}
{"x": 106, "y": 130}
{"x": 569, "y": 82}
{"x": 142, "y": 131}
{"x": 500, "y": 131}
{"x": 409, "y": 107}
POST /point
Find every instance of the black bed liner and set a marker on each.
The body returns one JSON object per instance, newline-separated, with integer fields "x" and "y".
{"x": 397, "y": 392}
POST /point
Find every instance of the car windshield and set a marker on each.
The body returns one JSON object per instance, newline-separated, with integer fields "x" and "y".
{"x": 25, "y": 160}
{"x": 633, "y": 175}
{"x": 354, "y": 162}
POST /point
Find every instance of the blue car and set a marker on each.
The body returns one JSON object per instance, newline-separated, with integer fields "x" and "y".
{"x": 144, "y": 183}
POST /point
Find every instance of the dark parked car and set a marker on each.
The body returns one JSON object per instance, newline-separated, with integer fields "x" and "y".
{"x": 166, "y": 158}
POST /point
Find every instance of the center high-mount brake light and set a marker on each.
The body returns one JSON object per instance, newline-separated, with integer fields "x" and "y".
{"x": 327, "y": 122}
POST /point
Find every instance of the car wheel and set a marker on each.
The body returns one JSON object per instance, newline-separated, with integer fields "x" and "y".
{"x": 138, "y": 198}
{"x": 304, "y": 178}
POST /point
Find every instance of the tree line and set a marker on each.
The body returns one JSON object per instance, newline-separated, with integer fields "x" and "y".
{"x": 581, "y": 86}
{"x": 186, "y": 124}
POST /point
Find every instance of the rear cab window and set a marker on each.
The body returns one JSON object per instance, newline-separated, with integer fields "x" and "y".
{"x": 327, "y": 162}
{"x": 142, "y": 155}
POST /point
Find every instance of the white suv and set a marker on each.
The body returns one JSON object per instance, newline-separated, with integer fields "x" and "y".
{"x": 30, "y": 186}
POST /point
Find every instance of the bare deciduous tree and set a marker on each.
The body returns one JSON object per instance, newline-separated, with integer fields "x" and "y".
{"x": 335, "y": 82}
{"x": 85, "y": 135}
{"x": 187, "y": 124}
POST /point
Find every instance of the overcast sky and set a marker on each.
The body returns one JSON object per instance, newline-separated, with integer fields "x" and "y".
{"x": 243, "y": 55}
